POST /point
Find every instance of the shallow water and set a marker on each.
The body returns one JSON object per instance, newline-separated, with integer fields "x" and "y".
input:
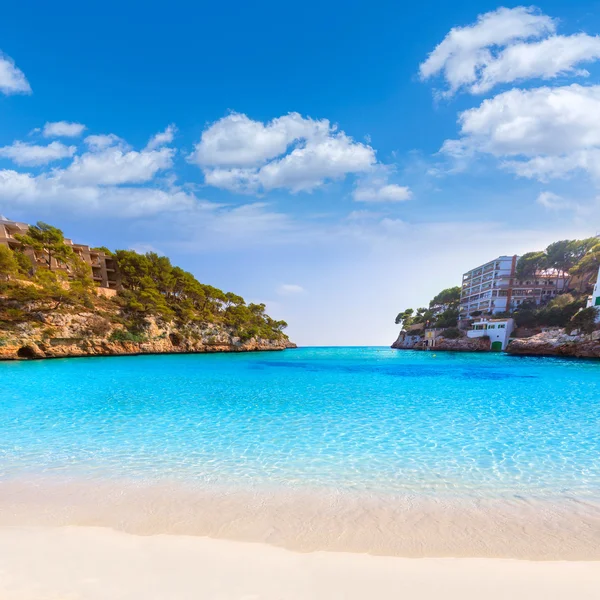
{"x": 366, "y": 435}
{"x": 358, "y": 418}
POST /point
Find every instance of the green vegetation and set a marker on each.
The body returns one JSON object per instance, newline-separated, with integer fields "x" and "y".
{"x": 585, "y": 320}
{"x": 9, "y": 267}
{"x": 557, "y": 313}
{"x": 576, "y": 259}
{"x": 452, "y": 333}
{"x": 48, "y": 241}
{"x": 22, "y": 283}
{"x": 151, "y": 286}
{"x": 442, "y": 311}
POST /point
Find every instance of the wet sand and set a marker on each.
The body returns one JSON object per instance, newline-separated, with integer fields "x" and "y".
{"x": 86, "y": 563}
{"x": 307, "y": 520}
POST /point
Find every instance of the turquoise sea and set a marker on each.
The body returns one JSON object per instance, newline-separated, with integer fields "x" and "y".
{"x": 365, "y": 419}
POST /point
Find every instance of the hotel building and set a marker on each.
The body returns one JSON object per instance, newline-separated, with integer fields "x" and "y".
{"x": 493, "y": 288}
{"x": 104, "y": 268}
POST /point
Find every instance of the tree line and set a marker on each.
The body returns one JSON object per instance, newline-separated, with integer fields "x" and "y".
{"x": 576, "y": 261}
{"x": 150, "y": 285}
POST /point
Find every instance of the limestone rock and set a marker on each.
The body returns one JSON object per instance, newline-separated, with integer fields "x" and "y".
{"x": 556, "y": 342}
{"x": 83, "y": 334}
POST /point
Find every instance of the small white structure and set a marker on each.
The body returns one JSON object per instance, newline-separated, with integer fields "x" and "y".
{"x": 498, "y": 330}
{"x": 594, "y": 299}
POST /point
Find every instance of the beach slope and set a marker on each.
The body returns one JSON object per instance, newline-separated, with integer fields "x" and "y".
{"x": 38, "y": 563}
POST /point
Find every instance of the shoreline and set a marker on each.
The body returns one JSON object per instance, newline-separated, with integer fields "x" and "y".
{"x": 506, "y": 352}
{"x": 553, "y": 342}
{"x": 88, "y": 563}
{"x": 233, "y": 350}
{"x": 412, "y": 525}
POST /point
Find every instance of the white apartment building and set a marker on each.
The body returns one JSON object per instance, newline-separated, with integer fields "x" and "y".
{"x": 487, "y": 288}
{"x": 493, "y": 287}
{"x": 498, "y": 330}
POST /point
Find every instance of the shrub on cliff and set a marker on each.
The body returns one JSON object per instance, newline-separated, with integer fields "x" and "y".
{"x": 452, "y": 333}
{"x": 127, "y": 336}
{"x": 152, "y": 285}
{"x": 558, "y": 313}
{"x": 563, "y": 257}
{"x": 48, "y": 241}
{"x": 8, "y": 264}
{"x": 584, "y": 320}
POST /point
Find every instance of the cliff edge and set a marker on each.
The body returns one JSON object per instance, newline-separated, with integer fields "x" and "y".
{"x": 63, "y": 335}
{"x": 556, "y": 342}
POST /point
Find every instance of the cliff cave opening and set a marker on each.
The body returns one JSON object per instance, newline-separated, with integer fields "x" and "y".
{"x": 176, "y": 339}
{"x": 26, "y": 352}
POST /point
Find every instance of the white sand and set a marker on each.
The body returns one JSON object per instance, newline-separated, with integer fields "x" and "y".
{"x": 87, "y": 563}
{"x": 310, "y": 520}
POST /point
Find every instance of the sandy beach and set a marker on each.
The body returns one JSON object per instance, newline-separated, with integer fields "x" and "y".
{"x": 308, "y": 520}
{"x": 87, "y": 563}
{"x": 335, "y": 473}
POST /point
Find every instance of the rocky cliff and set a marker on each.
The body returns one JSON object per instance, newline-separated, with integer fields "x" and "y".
{"x": 86, "y": 334}
{"x": 47, "y": 334}
{"x": 557, "y": 343}
{"x": 462, "y": 344}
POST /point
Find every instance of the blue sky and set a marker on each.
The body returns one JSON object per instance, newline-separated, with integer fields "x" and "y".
{"x": 338, "y": 161}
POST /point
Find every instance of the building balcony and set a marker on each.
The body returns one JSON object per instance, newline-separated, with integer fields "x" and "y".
{"x": 530, "y": 294}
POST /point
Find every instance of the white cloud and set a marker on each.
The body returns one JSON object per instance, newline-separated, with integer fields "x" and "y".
{"x": 387, "y": 193}
{"x": 362, "y": 215}
{"x": 24, "y": 189}
{"x": 12, "y": 79}
{"x": 104, "y": 180}
{"x": 541, "y": 133}
{"x": 553, "y": 201}
{"x": 507, "y": 45}
{"x": 33, "y": 155}
{"x": 549, "y": 58}
{"x": 163, "y": 138}
{"x": 290, "y": 289}
{"x": 238, "y": 141}
{"x": 63, "y": 129}
{"x": 375, "y": 186}
{"x": 290, "y": 152}
{"x": 247, "y": 221}
{"x": 100, "y": 142}
{"x": 114, "y": 166}
{"x": 545, "y": 168}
